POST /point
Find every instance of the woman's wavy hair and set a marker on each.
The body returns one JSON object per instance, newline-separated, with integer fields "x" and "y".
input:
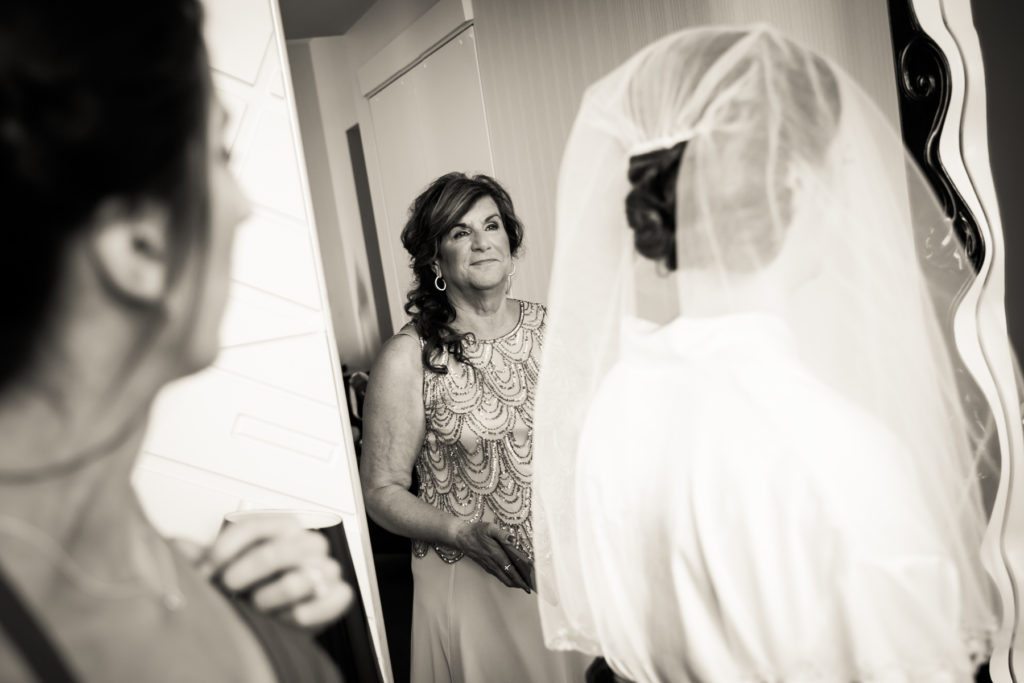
{"x": 434, "y": 212}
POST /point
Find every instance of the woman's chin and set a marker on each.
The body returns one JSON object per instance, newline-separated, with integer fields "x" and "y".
{"x": 488, "y": 283}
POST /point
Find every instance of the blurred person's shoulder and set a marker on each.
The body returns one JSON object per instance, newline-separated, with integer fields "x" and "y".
{"x": 13, "y": 667}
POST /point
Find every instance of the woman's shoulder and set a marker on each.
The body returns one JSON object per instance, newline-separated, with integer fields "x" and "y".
{"x": 400, "y": 355}
{"x": 409, "y": 332}
{"x": 532, "y": 305}
{"x": 534, "y": 314}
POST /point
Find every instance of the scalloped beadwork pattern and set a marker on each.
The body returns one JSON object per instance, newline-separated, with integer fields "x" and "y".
{"x": 476, "y": 458}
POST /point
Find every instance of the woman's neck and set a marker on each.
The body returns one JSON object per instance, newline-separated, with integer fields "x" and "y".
{"x": 66, "y": 483}
{"x": 485, "y": 314}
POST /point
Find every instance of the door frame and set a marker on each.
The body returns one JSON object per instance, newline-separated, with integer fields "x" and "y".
{"x": 368, "y": 583}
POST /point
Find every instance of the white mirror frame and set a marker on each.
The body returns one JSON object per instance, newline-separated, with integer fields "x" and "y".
{"x": 367, "y": 579}
{"x": 980, "y": 321}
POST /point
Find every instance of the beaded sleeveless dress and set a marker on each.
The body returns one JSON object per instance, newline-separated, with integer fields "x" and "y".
{"x": 476, "y": 463}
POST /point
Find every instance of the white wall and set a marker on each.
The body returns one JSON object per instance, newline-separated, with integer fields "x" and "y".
{"x": 529, "y": 105}
{"x": 329, "y": 102}
{"x": 383, "y": 23}
{"x": 265, "y": 424}
{"x": 427, "y": 123}
{"x": 538, "y": 56}
{"x": 324, "y": 82}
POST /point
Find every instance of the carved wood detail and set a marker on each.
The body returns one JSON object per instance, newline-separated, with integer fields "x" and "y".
{"x": 923, "y": 77}
{"x": 923, "y": 87}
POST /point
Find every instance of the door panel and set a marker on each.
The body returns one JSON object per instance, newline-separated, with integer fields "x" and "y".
{"x": 268, "y": 412}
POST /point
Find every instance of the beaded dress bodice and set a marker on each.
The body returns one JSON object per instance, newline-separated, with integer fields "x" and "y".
{"x": 476, "y": 458}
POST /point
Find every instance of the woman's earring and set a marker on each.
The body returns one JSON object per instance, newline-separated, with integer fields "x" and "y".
{"x": 508, "y": 286}
{"x": 439, "y": 283}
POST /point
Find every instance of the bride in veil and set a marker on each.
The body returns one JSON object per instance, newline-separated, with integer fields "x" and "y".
{"x": 752, "y": 461}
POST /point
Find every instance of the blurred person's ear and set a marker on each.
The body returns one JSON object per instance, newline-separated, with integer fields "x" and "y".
{"x": 129, "y": 246}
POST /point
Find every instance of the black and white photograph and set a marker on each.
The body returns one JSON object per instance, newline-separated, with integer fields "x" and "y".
{"x": 512, "y": 341}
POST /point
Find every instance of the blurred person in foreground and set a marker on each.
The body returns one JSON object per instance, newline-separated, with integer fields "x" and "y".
{"x": 120, "y": 212}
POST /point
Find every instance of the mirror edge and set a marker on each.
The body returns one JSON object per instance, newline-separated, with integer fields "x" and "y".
{"x": 955, "y": 73}
{"x": 370, "y": 589}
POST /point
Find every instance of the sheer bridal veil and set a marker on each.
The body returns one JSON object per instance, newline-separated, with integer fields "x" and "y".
{"x": 791, "y": 186}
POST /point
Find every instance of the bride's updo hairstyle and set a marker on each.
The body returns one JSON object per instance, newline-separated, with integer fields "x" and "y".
{"x": 97, "y": 102}
{"x": 651, "y": 204}
{"x": 735, "y": 135}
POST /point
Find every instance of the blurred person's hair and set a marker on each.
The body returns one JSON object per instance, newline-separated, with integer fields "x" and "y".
{"x": 97, "y": 102}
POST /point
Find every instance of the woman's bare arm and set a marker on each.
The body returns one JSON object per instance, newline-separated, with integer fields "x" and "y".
{"x": 394, "y": 426}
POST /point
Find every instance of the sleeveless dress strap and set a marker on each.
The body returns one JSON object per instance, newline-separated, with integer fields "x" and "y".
{"x": 37, "y": 649}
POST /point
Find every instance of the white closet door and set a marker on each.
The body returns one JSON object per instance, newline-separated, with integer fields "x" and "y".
{"x": 264, "y": 424}
{"x": 428, "y": 122}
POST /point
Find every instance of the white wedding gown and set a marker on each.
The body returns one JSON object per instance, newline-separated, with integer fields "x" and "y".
{"x": 740, "y": 521}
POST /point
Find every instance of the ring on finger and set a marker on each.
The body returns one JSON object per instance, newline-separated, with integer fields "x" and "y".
{"x": 317, "y": 580}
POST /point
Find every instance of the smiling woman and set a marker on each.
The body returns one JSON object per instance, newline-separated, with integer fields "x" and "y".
{"x": 461, "y": 232}
{"x": 451, "y": 395}
{"x": 476, "y": 249}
